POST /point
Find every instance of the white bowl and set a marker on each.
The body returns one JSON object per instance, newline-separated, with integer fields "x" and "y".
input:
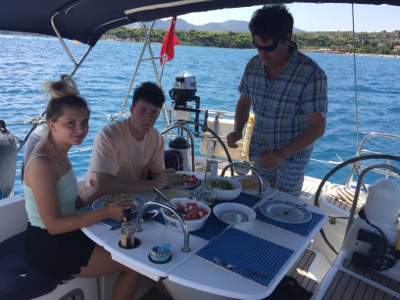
{"x": 192, "y": 225}
{"x": 234, "y": 213}
{"x": 225, "y": 194}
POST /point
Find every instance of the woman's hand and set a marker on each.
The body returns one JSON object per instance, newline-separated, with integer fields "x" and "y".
{"x": 116, "y": 210}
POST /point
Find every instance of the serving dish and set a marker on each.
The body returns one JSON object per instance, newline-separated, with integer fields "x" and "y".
{"x": 196, "y": 214}
{"x": 226, "y": 188}
{"x": 136, "y": 201}
{"x": 251, "y": 185}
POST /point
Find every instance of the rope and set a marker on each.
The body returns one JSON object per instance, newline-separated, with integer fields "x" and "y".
{"x": 345, "y": 195}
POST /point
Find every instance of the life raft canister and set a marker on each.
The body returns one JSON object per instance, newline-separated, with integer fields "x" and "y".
{"x": 8, "y": 161}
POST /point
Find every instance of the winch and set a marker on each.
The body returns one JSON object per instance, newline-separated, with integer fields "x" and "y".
{"x": 372, "y": 238}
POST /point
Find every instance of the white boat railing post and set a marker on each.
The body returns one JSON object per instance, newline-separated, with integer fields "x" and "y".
{"x": 357, "y": 167}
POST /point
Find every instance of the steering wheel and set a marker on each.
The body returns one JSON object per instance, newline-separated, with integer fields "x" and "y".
{"x": 353, "y": 160}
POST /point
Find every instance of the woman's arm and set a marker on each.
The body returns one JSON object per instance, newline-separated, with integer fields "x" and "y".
{"x": 42, "y": 177}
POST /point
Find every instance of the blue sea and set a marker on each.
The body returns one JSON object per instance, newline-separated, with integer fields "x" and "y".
{"x": 26, "y": 62}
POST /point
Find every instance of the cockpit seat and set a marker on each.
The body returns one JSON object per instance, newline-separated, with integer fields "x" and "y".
{"x": 17, "y": 280}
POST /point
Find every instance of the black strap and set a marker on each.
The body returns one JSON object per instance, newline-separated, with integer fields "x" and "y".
{"x": 289, "y": 289}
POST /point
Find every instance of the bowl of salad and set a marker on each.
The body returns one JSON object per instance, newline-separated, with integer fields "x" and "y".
{"x": 226, "y": 188}
{"x": 194, "y": 213}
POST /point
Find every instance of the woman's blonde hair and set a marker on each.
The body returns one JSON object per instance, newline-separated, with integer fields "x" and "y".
{"x": 63, "y": 94}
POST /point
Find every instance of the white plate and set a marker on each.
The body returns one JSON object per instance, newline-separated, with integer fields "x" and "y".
{"x": 253, "y": 191}
{"x": 234, "y": 213}
{"x": 185, "y": 185}
{"x": 274, "y": 208}
{"x": 137, "y": 202}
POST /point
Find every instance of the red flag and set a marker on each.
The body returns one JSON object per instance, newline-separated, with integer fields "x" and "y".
{"x": 169, "y": 42}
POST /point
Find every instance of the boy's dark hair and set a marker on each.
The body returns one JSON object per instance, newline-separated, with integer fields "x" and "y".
{"x": 149, "y": 92}
{"x": 271, "y": 22}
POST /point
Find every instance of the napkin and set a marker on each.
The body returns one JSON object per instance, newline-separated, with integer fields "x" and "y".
{"x": 164, "y": 248}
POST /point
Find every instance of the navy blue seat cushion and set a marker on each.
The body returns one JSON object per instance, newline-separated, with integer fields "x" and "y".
{"x": 17, "y": 280}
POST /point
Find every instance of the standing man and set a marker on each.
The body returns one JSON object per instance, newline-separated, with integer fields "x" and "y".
{"x": 126, "y": 152}
{"x": 288, "y": 94}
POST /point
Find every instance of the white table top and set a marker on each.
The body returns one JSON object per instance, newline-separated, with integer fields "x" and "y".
{"x": 195, "y": 272}
{"x": 214, "y": 279}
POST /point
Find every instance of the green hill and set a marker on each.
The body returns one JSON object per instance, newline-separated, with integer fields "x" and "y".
{"x": 342, "y": 42}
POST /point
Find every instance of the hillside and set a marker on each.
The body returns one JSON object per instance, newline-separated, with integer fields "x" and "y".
{"x": 387, "y": 43}
{"x": 232, "y": 25}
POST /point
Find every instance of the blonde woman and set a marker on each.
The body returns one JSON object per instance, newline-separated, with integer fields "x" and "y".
{"x": 55, "y": 244}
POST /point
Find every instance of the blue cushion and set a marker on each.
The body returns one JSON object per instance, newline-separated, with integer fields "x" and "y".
{"x": 18, "y": 281}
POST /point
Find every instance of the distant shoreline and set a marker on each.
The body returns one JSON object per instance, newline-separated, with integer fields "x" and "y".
{"x": 348, "y": 53}
{"x": 111, "y": 39}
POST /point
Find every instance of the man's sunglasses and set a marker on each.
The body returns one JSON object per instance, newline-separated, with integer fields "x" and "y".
{"x": 266, "y": 49}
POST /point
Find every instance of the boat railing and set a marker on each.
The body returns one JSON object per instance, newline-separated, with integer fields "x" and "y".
{"x": 183, "y": 124}
{"x": 157, "y": 73}
{"x": 167, "y": 118}
{"x": 358, "y": 167}
{"x": 210, "y": 141}
{"x": 38, "y": 120}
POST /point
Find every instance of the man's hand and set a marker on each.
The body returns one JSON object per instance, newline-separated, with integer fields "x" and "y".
{"x": 165, "y": 178}
{"x": 271, "y": 159}
{"x": 233, "y": 137}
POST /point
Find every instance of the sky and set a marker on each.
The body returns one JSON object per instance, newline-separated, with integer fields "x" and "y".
{"x": 317, "y": 17}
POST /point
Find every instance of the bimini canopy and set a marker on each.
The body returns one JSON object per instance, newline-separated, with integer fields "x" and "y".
{"x": 87, "y": 20}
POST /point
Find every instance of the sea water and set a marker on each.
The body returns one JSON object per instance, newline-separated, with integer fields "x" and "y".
{"x": 26, "y": 62}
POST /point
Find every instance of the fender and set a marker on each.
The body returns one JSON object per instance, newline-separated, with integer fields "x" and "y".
{"x": 8, "y": 161}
